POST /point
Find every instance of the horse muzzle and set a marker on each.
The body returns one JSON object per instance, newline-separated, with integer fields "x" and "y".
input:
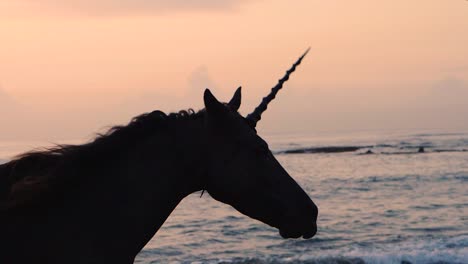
{"x": 297, "y": 233}
{"x": 301, "y": 223}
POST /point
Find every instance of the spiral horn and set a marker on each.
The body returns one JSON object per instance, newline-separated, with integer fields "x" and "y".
{"x": 256, "y": 115}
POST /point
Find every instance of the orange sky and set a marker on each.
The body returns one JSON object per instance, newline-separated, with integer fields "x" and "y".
{"x": 69, "y": 68}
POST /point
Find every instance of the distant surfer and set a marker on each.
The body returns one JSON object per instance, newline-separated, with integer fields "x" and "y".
{"x": 369, "y": 152}
{"x": 421, "y": 150}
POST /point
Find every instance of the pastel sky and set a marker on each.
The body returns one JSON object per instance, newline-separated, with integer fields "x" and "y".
{"x": 69, "y": 69}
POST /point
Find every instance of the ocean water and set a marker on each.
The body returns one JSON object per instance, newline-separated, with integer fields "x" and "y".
{"x": 395, "y": 205}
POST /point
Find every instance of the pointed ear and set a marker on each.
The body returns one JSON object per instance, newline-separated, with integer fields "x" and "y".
{"x": 236, "y": 100}
{"x": 212, "y": 104}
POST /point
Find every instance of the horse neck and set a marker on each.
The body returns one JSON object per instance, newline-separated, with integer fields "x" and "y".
{"x": 189, "y": 156}
{"x": 153, "y": 179}
{"x": 123, "y": 200}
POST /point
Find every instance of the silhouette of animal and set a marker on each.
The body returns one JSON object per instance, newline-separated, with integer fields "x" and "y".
{"x": 101, "y": 202}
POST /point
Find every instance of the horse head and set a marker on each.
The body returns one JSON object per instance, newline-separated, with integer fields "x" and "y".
{"x": 244, "y": 173}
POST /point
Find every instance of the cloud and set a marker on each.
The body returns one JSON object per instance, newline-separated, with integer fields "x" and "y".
{"x": 126, "y": 7}
{"x": 197, "y": 81}
{"x": 451, "y": 84}
{"x": 200, "y": 79}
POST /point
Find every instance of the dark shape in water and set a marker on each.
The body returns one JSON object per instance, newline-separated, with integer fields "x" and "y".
{"x": 101, "y": 202}
{"x": 339, "y": 149}
{"x": 369, "y": 152}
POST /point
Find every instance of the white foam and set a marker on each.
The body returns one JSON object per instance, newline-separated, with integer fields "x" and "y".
{"x": 451, "y": 250}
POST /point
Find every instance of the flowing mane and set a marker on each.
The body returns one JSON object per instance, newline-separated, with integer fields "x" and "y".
{"x": 32, "y": 177}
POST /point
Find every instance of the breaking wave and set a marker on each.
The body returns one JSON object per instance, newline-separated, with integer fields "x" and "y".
{"x": 445, "y": 251}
